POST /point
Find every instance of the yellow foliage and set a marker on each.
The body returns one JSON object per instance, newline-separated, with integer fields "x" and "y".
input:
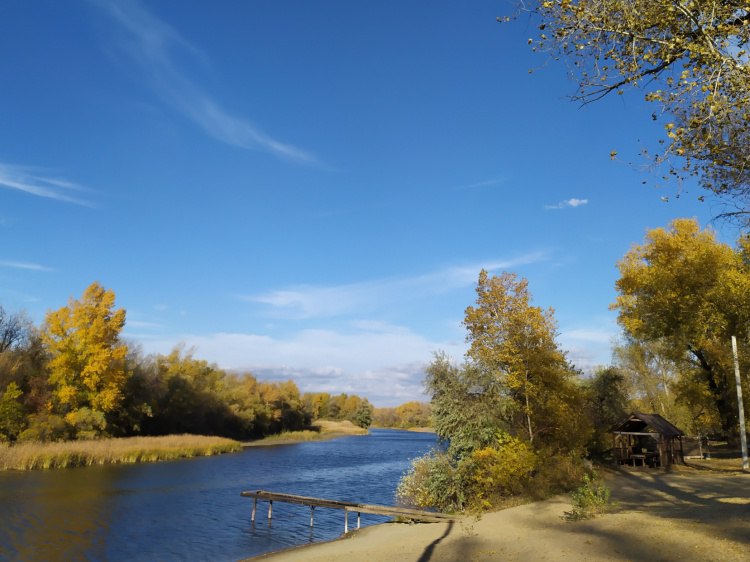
{"x": 87, "y": 363}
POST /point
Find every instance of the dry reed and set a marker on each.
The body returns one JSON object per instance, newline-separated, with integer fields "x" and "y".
{"x": 64, "y": 454}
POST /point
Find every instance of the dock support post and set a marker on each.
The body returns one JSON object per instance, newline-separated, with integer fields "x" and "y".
{"x": 252, "y": 515}
{"x": 358, "y": 520}
{"x": 270, "y": 509}
{"x": 312, "y": 514}
{"x": 346, "y": 521}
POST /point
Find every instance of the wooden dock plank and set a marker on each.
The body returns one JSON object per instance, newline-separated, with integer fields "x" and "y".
{"x": 391, "y": 511}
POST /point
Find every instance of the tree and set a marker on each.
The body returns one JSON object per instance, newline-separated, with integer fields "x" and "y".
{"x": 14, "y": 329}
{"x": 516, "y": 342}
{"x": 468, "y": 404}
{"x": 607, "y": 404}
{"x": 686, "y": 289}
{"x": 12, "y": 414}
{"x": 87, "y": 358}
{"x": 689, "y": 56}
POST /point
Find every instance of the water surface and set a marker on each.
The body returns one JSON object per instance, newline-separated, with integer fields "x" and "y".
{"x": 191, "y": 509}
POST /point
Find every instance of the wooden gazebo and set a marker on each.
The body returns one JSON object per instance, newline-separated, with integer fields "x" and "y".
{"x": 647, "y": 439}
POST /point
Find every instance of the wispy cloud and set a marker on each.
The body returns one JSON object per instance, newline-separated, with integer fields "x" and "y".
{"x": 155, "y": 47}
{"x": 29, "y": 180}
{"x": 315, "y": 301}
{"x": 24, "y": 265}
{"x": 568, "y": 203}
{"x": 484, "y": 183}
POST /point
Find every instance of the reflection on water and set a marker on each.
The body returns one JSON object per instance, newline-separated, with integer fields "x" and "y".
{"x": 191, "y": 509}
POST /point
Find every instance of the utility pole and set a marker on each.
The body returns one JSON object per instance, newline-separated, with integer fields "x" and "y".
{"x": 743, "y": 434}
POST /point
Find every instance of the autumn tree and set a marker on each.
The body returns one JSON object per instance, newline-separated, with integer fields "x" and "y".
{"x": 689, "y": 58}
{"x": 516, "y": 342}
{"x": 690, "y": 292}
{"x": 87, "y": 358}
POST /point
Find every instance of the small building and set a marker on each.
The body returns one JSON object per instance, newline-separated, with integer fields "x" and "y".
{"x": 647, "y": 440}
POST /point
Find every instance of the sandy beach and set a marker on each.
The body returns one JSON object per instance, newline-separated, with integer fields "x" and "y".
{"x": 657, "y": 516}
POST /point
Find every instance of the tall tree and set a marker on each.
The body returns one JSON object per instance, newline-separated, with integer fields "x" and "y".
{"x": 516, "y": 342}
{"x": 692, "y": 292}
{"x": 87, "y": 357}
{"x": 690, "y": 59}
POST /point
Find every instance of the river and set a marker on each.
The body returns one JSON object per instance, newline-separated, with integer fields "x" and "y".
{"x": 192, "y": 509}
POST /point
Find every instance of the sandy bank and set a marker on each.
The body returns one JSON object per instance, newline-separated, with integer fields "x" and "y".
{"x": 689, "y": 515}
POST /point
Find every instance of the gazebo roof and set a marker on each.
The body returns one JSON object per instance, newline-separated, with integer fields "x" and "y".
{"x": 640, "y": 423}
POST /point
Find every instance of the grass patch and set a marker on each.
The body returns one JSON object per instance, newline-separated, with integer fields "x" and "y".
{"x": 128, "y": 450}
{"x": 319, "y": 431}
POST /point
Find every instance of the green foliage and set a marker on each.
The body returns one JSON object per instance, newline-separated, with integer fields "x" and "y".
{"x": 363, "y": 415}
{"x": 606, "y": 405}
{"x": 45, "y": 427}
{"x": 468, "y": 404}
{"x": 12, "y": 414}
{"x": 589, "y": 500}
{"x": 433, "y": 480}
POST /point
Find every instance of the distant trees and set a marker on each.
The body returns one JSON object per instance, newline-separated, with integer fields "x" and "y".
{"x": 351, "y": 407}
{"x": 75, "y": 378}
{"x": 685, "y": 294}
{"x": 405, "y": 416}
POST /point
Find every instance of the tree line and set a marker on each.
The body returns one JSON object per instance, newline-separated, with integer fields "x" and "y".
{"x": 518, "y": 418}
{"x": 74, "y": 377}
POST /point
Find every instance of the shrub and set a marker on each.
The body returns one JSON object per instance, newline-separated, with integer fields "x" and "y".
{"x": 433, "y": 481}
{"x": 589, "y": 500}
{"x": 45, "y": 427}
{"x": 497, "y": 472}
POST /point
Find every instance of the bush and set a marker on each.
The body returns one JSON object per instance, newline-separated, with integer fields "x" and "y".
{"x": 433, "y": 481}
{"x": 589, "y": 500}
{"x": 556, "y": 474}
{"x": 498, "y": 472}
{"x": 45, "y": 427}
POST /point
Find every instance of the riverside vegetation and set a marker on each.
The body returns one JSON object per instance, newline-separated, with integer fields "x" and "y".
{"x": 75, "y": 380}
{"x": 518, "y": 420}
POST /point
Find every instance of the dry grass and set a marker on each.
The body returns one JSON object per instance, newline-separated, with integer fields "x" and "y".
{"x": 322, "y": 430}
{"x": 33, "y": 456}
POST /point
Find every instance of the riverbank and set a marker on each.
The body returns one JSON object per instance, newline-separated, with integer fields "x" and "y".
{"x": 657, "y": 516}
{"x": 324, "y": 430}
{"x": 125, "y": 450}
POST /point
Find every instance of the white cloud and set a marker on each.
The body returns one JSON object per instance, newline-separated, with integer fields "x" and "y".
{"x": 573, "y": 202}
{"x": 309, "y": 301}
{"x": 26, "y": 179}
{"x": 590, "y": 346}
{"x": 151, "y": 44}
{"x": 380, "y": 361}
{"x": 24, "y": 265}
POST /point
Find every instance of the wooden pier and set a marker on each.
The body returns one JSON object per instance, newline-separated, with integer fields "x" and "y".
{"x": 347, "y": 507}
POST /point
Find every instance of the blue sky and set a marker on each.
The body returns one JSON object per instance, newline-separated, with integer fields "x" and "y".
{"x": 309, "y": 190}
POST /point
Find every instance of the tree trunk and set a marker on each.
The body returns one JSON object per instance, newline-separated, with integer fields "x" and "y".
{"x": 727, "y": 408}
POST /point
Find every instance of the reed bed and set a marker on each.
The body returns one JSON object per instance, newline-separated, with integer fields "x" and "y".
{"x": 64, "y": 454}
{"x": 321, "y": 430}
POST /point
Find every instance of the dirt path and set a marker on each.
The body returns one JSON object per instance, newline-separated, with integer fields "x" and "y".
{"x": 688, "y": 515}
